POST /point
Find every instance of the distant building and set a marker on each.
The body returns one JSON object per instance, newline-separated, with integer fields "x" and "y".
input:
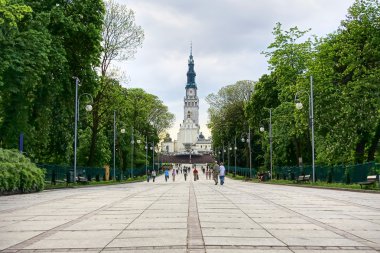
{"x": 189, "y": 137}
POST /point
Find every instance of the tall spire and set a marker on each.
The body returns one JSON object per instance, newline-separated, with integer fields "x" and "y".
{"x": 191, "y": 73}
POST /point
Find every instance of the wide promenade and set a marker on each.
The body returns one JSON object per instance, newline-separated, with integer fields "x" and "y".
{"x": 191, "y": 217}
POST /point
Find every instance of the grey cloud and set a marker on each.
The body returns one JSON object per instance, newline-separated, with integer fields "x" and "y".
{"x": 227, "y": 35}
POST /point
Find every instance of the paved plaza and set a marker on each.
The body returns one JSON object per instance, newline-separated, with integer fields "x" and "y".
{"x": 188, "y": 216}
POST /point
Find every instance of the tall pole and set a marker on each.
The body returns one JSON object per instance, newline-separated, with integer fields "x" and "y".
{"x": 270, "y": 143}
{"x": 250, "y": 153}
{"x": 223, "y": 154}
{"x": 228, "y": 154}
{"x": 133, "y": 146}
{"x": 312, "y": 126}
{"x": 114, "y": 144}
{"x": 153, "y": 154}
{"x": 76, "y": 127}
{"x": 146, "y": 155}
{"x": 235, "y": 155}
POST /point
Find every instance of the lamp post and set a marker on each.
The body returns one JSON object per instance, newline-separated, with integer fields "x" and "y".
{"x": 229, "y": 149}
{"x": 224, "y": 151}
{"x": 146, "y": 155}
{"x": 114, "y": 144}
{"x": 262, "y": 129}
{"x": 152, "y": 148}
{"x": 248, "y": 140}
{"x": 76, "y": 119}
{"x": 132, "y": 149}
{"x": 299, "y": 106}
{"x": 235, "y": 148}
{"x": 146, "y": 152}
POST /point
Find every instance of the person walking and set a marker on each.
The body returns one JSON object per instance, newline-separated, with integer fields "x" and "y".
{"x": 173, "y": 174}
{"x": 166, "y": 175}
{"x": 215, "y": 172}
{"x": 195, "y": 172}
{"x": 148, "y": 176}
{"x": 222, "y": 173}
{"x": 185, "y": 174}
{"x": 153, "y": 175}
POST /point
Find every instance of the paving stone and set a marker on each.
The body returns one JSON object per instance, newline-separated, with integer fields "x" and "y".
{"x": 146, "y": 217}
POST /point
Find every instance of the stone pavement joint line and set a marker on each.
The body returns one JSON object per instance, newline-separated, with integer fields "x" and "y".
{"x": 195, "y": 239}
{"x": 344, "y": 234}
{"x": 46, "y": 234}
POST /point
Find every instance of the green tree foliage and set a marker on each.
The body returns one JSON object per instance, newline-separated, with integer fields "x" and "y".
{"x": 53, "y": 43}
{"x": 227, "y": 117}
{"x": 346, "y": 69}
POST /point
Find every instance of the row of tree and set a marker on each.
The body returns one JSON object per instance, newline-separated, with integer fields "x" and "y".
{"x": 345, "y": 66}
{"x": 44, "y": 44}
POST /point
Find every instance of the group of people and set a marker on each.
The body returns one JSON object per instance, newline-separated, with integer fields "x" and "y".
{"x": 217, "y": 171}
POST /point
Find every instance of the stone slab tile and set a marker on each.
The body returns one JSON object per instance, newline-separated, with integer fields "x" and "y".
{"x": 283, "y": 226}
{"x": 252, "y": 250}
{"x": 242, "y": 241}
{"x": 153, "y": 233}
{"x": 238, "y": 232}
{"x": 223, "y": 225}
{"x": 308, "y": 241}
{"x": 156, "y": 225}
{"x": 8, "y": 239}
{"x": 151, "y": 242}
{"x": 32, "y": 225}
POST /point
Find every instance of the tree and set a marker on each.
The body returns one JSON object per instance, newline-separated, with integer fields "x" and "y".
{"x": 121, "y": 36}
{"x": 120, "y": 39}
{"x": 227, "y": 115}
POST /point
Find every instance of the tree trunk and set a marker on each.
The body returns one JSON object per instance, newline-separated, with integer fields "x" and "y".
{"x": 359, "y": 151}
{"x": 374, "y": 144}
{"x": 94, "y": 135}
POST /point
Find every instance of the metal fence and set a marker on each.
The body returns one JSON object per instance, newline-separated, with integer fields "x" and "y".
{"x": 338, "y": 174}
{"x": 62, "y": 173}
{"x": 334, "y": 174}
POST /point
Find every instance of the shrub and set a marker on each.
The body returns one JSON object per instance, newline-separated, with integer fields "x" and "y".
{"x": 18, "y": 173}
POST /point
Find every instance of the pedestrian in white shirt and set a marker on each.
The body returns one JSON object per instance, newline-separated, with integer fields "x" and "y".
{"x": 222, "y": 173}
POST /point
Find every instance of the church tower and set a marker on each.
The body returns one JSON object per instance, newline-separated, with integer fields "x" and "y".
{"x": 189, "y": 139}
{"x": 191, "y": 101}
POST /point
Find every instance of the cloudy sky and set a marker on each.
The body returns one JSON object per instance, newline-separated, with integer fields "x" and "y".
{"x": 228, "y": 37}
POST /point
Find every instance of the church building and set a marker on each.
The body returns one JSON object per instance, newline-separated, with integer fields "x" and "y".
{"x": 189, "y": 138}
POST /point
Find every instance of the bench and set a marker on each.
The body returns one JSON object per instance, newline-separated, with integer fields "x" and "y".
{"x": 82, "y": 180}
{"x": 303, "y": 178}
{"x": 370, "y": 180}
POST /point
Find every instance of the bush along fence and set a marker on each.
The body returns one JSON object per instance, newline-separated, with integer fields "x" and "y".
{"x": 61, "y": 173}
{"x": 18, "y": 173}
{"x": 331, "y": 174}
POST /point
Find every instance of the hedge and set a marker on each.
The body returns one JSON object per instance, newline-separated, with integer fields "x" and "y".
{"x": 18, "y": 173}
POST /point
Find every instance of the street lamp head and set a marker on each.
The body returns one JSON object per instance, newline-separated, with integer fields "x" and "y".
{"x": 262, "y": 129}
{"x": 235, "y": 148}
{"x": 146, "y": 147}
{"x": 89, "y": 108}
{"x": 243, "y": 139}
{"x": 299, "y": 105}
{"x": 138, "y": 141}
{"x": 230, "y": 148}
{"x": 122, "y": 131}
{"x": 132, "y": 142}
